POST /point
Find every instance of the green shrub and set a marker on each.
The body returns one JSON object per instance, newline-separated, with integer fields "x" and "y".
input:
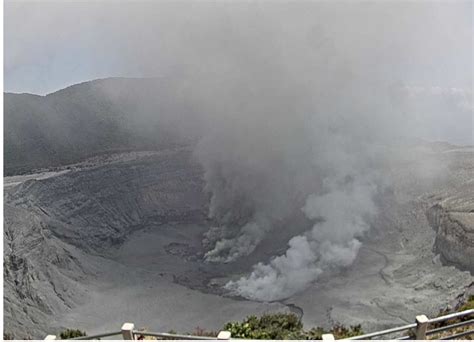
{"x": 339, "y": 331}
{"x": 468, "y": 305}
{"x": 284, "y": 326}
{"x": 71, "y": 333}
{"x": 268, "y": 326}
{"x": 315, "y": 334}
{"x": 7, "y": 336}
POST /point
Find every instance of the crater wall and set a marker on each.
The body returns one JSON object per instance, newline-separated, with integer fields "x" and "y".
{"x": 57, "y": 229}
{"x": 453, "y": 220}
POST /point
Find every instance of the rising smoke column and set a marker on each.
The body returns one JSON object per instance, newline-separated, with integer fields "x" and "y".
{"x": 299, "y": 142}
{"x": 255, "y": 178}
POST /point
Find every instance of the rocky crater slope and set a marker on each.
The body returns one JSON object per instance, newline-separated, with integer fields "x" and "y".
{"x": 63, "y": 236}
{"x": 452, "y": 217}
{"x": 56, "y": 227}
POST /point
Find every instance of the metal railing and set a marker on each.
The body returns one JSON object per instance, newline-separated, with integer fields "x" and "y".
{"x": 418, "y": 330}
{"x": 172, "y": 336}
{"x": 384, "y": 332}
{"x": 421, "y": 328}
{"x": 128, "y": 332}
{"x": 93, "y": 337}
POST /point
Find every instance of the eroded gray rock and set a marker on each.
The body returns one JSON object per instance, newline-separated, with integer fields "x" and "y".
{"x": 453, "y": 220}
{"x": 56, "y": 229}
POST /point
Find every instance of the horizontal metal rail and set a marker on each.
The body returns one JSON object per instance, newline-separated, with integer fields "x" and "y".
{"x": 404, "y": 338}
{"x": 449, "y": 327}
{"x": 175, "y": 336}
{"x": 464, "y": 333}
{"x": 384, "y": 332}
{"x": 414, "y": 325}
{"x": 451, "y": 316}
{"x": 97, "y": 336}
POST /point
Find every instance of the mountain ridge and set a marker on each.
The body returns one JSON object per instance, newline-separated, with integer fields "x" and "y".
{"x": 84, "y": 120}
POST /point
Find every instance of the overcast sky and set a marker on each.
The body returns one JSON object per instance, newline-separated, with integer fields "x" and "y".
{"x": 50, "y": 45}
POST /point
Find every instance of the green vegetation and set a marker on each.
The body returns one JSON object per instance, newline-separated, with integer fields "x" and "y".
{"x": 284, "y": 326}
{"x": 71, "y": 333}
{"x": 468, "y": 305}
{"x": 275, "y": 326}
{"x": 7, "y": 336}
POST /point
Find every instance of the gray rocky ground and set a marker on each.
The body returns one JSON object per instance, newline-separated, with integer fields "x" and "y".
{"x": 120, "y": 239}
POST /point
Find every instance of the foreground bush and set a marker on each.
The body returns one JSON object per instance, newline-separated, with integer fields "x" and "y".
{"x": 275, "y": 326}
{"x": 71, "y": 333}
{"x": 468, "y": 305}
{"x": 284, "y": 326}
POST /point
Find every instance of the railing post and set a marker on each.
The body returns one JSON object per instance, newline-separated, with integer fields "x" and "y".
{"x": 223, "y": 335}
{"x": 127, "y": 331}
{"x": 421, "y": 326}
{"x": 50, "y": 337}
{"x": 328, "y": 337}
